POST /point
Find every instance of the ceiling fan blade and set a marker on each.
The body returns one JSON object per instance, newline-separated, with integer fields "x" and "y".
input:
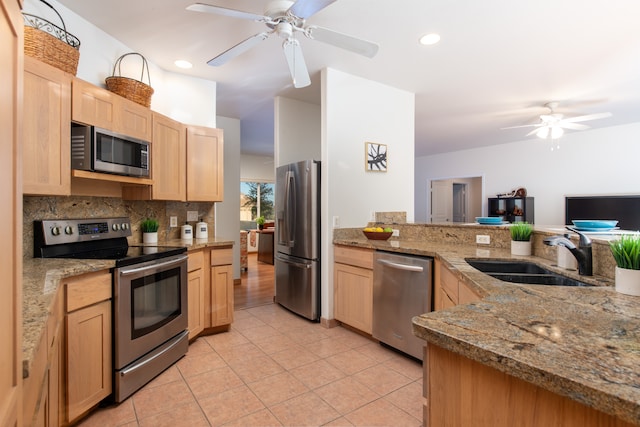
{"x": 587, "y": 117}
{"x": 305, "y": 8}
{"x": 207, "y": 8}
{"x": 532, "y": 132}
{"x": 344, "y": 41}
{"x": 295, "y": 60}
{"x": 573, "y": 126}
{"x": 522, "y": 126}
{"x": 238, "y": 49}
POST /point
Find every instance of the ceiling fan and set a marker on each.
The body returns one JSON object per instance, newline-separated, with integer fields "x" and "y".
{"x": 553, "y": 124}
{"x": 286, "y": 18}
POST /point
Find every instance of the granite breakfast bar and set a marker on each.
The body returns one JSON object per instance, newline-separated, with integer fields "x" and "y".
{"x": 581, "y": 343}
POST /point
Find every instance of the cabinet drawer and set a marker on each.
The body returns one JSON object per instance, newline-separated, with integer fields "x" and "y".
{"x": 221, "y": 256}
{"x": 88, "y": 289}
{"x": 196, "y": 261}
{"x": 353, "y": 256}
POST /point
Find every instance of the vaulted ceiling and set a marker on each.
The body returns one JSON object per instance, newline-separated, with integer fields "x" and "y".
{"x": 497, "y": 64}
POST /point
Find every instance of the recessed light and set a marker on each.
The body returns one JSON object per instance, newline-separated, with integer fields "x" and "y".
{"x": 181, "y": 63}
{"x": 428, "y": 39}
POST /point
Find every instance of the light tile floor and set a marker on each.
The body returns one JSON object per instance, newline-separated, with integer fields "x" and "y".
{"x": 274, "y": 368}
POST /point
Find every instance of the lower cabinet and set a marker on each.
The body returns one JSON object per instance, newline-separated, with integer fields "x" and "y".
{"x": 449, "y": 291}
{"x": 353, "y": 287}
{"x": 89, "y": 366}
{"x": 221, "y": 287}
{"x": 195, "y": 292}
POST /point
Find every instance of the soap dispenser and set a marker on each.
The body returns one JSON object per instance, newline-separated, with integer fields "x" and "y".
{"x": 201, "y": 230}
{"x": 186, "y": 232}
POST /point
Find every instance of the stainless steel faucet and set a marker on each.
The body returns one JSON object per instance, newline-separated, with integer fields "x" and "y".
{"x": 582, "y": 252}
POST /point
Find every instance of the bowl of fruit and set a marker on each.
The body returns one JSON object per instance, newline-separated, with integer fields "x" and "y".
{"x": 378, "y": 233}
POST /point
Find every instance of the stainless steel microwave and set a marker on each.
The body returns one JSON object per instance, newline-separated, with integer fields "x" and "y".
{"x": 100, "y": 150}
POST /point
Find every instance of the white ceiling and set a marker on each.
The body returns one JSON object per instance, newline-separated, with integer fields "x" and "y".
{"x": 496, "y": 65}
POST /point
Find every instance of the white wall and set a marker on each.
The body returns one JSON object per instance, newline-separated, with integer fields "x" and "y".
{"x": 186, "y": 99}
{"x": 354, "y": 111}
{"x": 297, "y": 131}
{"x": 257, "y": 168}
{"x": 227, "y": 212}
{"x": 599, "y": 161}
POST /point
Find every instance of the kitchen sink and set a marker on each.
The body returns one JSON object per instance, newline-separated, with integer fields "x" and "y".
{"x": 522, "y": 272}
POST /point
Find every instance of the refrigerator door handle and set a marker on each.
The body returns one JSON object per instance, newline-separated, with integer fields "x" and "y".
{"x": 289, "y": 210}
{"x": 294, "y": 263}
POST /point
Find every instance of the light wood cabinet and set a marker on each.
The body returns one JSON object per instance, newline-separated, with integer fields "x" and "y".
{"x": 449, "y": 290}
{"x": 463, "y": 392}
{"x": 353, "y": 287}
{"x": 11, "y": 84}
{"x": 196, "y": 303}
{"x": 221, "y": 291}
{"x": 205, "y": 173}
{"x": 168, "y": 159}
{"x": 88, "y": 366}
{"x": 96, "y": 106}
{"x": 47, "y": 129}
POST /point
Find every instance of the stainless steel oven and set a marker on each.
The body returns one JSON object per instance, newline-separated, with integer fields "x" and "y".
{"x": 150, "y": 317}
{"x": 150, "y": 321}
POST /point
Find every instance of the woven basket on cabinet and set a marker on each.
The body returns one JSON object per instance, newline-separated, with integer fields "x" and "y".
{"x": 51, "y": 44}
{"x": 133, "y": 90}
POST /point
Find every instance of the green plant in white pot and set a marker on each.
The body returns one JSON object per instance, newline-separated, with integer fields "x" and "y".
{"x": 626, "y": 252}
{"x": 521, "y": 238}
{"x": 149, "y": 229}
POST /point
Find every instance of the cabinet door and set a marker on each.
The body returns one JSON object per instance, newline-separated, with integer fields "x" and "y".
{"x": 204, "y": 164}
{"x": 11, "y": 55}
{"x": 54, "y": 400}
{"x": 353, "y": 296}
{"x": 221, "y": 295}
{"x": 196, "y": 302}
{"x": 168, "y": 159}
{"x": 93, "y": 105}
{"x": 89, "y": 366}
{"x": 133, "y": 120}
{"x": 47, "y": 129}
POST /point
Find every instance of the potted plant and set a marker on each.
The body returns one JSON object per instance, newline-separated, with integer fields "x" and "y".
{"x": 260, "y": 222}
{"x": 626, "y": 252}
{"x": 521, "y": 238}
{"x": 149, "y": 229}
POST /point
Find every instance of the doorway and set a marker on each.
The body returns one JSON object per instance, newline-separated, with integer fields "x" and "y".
{"x": 455, "y": 200}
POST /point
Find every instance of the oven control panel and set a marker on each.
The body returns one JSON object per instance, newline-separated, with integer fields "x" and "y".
{"x": 61, "y": 231}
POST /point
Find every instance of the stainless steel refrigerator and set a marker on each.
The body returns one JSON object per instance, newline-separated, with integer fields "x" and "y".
{"x": 297, "y": 258}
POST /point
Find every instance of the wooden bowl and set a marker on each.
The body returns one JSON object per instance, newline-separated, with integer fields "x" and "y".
{"x": 377, "y": 235}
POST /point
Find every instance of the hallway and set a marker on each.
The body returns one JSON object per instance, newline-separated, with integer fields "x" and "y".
{"x": 257, "y": 284}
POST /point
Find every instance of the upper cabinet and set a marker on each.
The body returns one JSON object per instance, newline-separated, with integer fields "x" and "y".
{"x": 205, "y": 174}
{"x": 168, "y": 159}
{"x": 93, "y": 105}
{"x": 46, "y": 130}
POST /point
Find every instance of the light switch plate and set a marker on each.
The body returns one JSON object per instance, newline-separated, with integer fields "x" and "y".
{"x": 483, "y": 239}
{"x": 192, "y": 216}
{"x": 173, "y": 221}
{"x": 336, "y": 221}
{"x": 396, "y": 233}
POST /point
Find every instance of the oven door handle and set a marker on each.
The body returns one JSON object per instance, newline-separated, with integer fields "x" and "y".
{"x": 154, "y": 266}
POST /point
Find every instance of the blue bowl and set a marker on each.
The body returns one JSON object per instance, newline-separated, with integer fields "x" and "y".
{"x": 489, "y": 219}
{"x": 594, "y": 224}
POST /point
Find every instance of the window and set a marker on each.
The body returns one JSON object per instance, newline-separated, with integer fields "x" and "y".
{"x": 256, "y": 199}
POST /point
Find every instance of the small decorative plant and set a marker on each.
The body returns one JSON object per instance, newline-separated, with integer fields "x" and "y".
{"x": 626, "y": 251}
{"x": 521, "y": 231}
{"x": 260, "y": 222}
{"x": 149, "y": 225}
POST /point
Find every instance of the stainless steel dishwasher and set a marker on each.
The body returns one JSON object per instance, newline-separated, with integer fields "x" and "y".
{"x": 402, "y": 288}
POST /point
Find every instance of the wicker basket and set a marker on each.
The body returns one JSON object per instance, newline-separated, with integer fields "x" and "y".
{"x": 134, "y": 90}
{"x": 51, "y": 44}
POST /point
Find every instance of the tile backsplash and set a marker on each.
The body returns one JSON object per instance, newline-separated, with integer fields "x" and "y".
{"x": 37, "y": 208}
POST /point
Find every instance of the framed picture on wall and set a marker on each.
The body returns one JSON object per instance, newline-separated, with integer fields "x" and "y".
{"x": 375, "y": 157}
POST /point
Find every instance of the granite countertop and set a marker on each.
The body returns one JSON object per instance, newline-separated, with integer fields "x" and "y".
{"x": 41, "y": 278}
{"x": 583, "y": 343}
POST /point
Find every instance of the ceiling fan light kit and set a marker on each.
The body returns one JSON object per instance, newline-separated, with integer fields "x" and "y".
{"x": 285, "y": 18}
